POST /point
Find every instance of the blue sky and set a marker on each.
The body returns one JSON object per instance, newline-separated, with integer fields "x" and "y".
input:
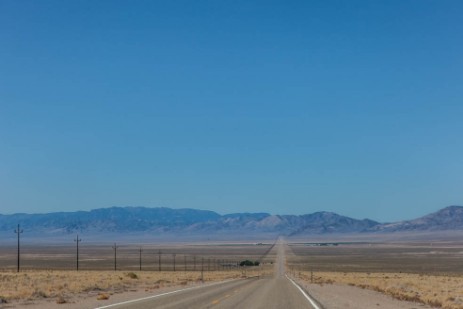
{"x": 262, "y": 106}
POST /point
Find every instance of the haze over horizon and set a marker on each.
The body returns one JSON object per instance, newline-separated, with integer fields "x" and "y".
{"x": 353, "y": 107}
{"x": 229, "y": 213}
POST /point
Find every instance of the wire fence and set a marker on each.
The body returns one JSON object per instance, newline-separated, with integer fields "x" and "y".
{"x": 128, "y": 257}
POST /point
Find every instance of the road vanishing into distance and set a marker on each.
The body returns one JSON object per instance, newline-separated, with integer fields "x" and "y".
{"x": 273, "y": 292}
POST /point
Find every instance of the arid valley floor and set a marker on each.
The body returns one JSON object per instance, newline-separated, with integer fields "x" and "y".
{"x": 336, "y": 275}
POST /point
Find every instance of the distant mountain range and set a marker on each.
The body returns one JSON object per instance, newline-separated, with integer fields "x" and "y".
{"x": 448, "y": 218}
{"x": 167, "y": 221}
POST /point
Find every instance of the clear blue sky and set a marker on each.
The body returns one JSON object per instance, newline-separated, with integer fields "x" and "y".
{"x": 287, "y": 107}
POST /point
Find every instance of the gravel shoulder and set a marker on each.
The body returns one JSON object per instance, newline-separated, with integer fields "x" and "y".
{"x": 337, "y": 296}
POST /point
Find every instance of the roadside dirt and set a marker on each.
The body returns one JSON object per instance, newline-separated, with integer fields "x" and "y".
{"x": 337, "y": 296}
{"x": 90, "y": 300}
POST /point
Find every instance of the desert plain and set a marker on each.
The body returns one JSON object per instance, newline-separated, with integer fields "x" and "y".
{"x": 427, "y": 274}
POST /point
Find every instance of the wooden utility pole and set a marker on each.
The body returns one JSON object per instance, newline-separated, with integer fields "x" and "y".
{"x": 140, "y": 256}
{"x": 202, "y": 269}
{"x": 115, "y": 256}
{"x": 19, "y": 232}
{"x": 77, "y": 240}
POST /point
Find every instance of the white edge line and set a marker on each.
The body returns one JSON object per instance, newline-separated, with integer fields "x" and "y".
{"x": 163, "y": 294}
{"x": 312, "y": 301}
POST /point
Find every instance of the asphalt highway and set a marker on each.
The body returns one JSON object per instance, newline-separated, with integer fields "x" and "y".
{"x": 272, "y": 292}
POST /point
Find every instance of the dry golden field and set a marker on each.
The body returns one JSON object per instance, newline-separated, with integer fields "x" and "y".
{"x": 435, "y": 290}
{"x": 49, "y": 272}
{"x": 63, "y": 285}
{"x": 427, "y": 273}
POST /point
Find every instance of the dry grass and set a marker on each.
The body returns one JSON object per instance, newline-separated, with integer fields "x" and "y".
{"x": 47, "y": 272}
{"x": 435, "y": 290}
{"x": 102, "y": 296}
{"x": 428, "y": 273}
{"x": 61, "y": 285}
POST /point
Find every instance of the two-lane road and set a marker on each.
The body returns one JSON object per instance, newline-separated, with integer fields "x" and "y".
{"x": 276, "y": 292}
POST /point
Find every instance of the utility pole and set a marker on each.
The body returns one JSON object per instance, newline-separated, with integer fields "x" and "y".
{"x": 159, "y": 261}
{"x": 18, "y": 231}
{"x": 173, "y": 255}
{"x": 115, "y": 256}
{"x": 140, "y": 256}
{"x": 184, "y": 261}
{"x": 194, "y": 262}
{"x": 202, "y": 269}
{"x": 77, "y": 241}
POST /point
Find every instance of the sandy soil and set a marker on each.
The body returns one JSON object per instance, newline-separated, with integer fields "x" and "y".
{"x": 89, "y": 300}
{"x": 337, "y": 296}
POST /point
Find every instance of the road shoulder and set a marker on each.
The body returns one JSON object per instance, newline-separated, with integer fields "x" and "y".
{"x": 79, "y": 301}
{"x": 339, "y": 296}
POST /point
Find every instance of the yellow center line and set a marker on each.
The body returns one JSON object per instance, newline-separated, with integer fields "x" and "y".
{"x": 217, "y": 301}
